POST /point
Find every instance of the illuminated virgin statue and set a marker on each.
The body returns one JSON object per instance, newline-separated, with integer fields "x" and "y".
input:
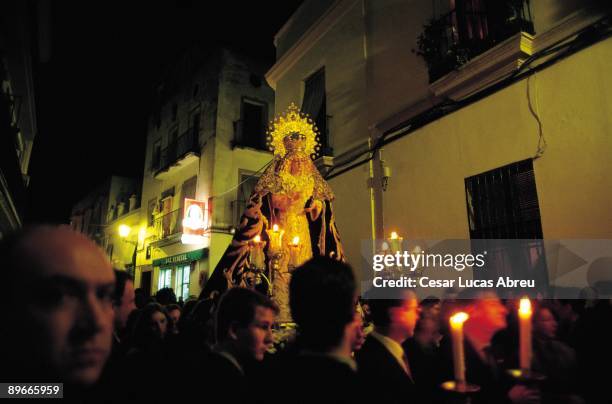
{"x": 288, "y": 218}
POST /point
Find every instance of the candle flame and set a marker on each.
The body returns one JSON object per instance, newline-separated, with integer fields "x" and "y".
{"x": 525, "y": 307}
{"x": 257, "y": 239}
{"x": 275, "y": 227}
{"x": 296, "y": 240}
{"x": 458, "y": 319}
{"x": 394, "y": 235}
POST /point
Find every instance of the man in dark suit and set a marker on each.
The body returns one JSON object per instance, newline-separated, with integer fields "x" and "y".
{"x": 382, "y": 363}
{"x": 243, "y": 329}
{"x": 322, "y": 297}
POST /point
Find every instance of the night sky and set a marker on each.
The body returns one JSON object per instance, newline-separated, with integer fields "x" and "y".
{"x": 94, "y": 94}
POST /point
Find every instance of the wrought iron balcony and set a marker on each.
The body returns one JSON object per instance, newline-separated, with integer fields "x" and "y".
{"x": 176, "y": 151}
{"x": 169, "y": 224}
{"x": 452, "y": 40}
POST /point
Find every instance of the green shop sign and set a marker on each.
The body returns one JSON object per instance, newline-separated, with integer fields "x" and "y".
{"x": 181, "y": 258}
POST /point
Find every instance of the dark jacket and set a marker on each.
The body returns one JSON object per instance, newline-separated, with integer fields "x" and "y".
{"x": 382, "y": 376}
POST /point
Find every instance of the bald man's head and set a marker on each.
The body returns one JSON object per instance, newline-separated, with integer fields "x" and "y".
{"x": 60, "y": 289}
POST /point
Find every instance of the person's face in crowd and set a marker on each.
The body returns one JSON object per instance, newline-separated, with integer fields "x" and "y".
{"x": 175, "y": 315}
{"x": 428, "y": 334}
{"x": 432, "y": 311}
{"x": 256, "y": 338}
{"x": 489, "y": 312}
{"x": 159, "y": 324}
{"x": 356, "y": 333}
{"x": 545, "y": 323}
{"x": 405, "y": 316}
{"x": 128, "y": 304}
{"x": 68, "y": 311}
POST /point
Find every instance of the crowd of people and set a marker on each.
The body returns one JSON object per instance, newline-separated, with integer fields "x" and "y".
{"x": 72, "y": 318}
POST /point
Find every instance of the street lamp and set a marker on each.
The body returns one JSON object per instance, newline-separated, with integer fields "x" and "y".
{"x": 124, "y": 232}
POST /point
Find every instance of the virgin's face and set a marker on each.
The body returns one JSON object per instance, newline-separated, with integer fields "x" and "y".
{"x": 295, "y": 142}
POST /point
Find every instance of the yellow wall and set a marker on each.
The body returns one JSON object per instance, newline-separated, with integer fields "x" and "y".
{"x": 352, "y": 211}
{"x": 397, "y": 77}
{"x": 341, "y": 52}
{"x": 426, "y": 196}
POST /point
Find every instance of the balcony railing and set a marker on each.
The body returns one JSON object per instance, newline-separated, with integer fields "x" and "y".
{"x": 462, "y": 34}
{"x": 187, "y": 142}
{"x": 169, "y": 224}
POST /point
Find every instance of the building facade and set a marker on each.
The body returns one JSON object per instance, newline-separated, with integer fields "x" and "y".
{"x": 458, "y": 119}
{"x": 20, "y": 53}
{"x": 205, "y": 142}
{"x": 100, "y": 214}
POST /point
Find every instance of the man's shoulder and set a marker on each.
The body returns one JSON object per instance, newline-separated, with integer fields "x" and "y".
{"x": 222, "y": 364}
{"x": 371, "y": 347}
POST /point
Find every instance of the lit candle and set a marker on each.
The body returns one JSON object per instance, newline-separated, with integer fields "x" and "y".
{"x": 257, "y": 255}
{"x": 525, "y": 333}
{"x": 276, "y": 239}
{"x": 294, "y": 249}
{"x": 395, "y": 242}
{"x": 456, "y": 323}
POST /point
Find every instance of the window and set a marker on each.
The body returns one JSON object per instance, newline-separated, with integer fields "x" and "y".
{"x": 194, "y": 123}
{"x": 151, "y": 207}
{"x": 466, "y": 28}
{"x": 250, "y": 129}
{"x": 156, "y": 156}
{"x": 189, "y": 139}
{"x": 168, "y": 220}
{"x": 314, "y": 104}
{"x": 182, "y": 281}
{"x": 189, "y": 189}
{"x": 503, "y": 203}
{"x": 165, "y": 278}
{"x": 171, "y": 149}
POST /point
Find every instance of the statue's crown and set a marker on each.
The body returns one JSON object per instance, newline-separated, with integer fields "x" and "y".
{"x": 293, "y": 121}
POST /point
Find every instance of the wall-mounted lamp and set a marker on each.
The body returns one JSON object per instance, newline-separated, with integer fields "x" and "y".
{"x": 386, "y": 174}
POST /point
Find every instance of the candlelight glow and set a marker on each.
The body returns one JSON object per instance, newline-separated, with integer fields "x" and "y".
{"x": 525, "y": 307}
{"x": 458, "y": 319}
{"x": 275, "y": 227}
{"x": 257, "y": 239}
{"x": 296, "y": 240}
{"x": 393, "y": 235}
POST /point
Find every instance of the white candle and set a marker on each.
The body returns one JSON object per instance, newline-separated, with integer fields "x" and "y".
{"x": 456, "y": 324}
{"x": 257, "y": 256}
{"x": 276, "y": 239}
{"x": 294, "y": 249}
{"x": 525, "y": 314}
